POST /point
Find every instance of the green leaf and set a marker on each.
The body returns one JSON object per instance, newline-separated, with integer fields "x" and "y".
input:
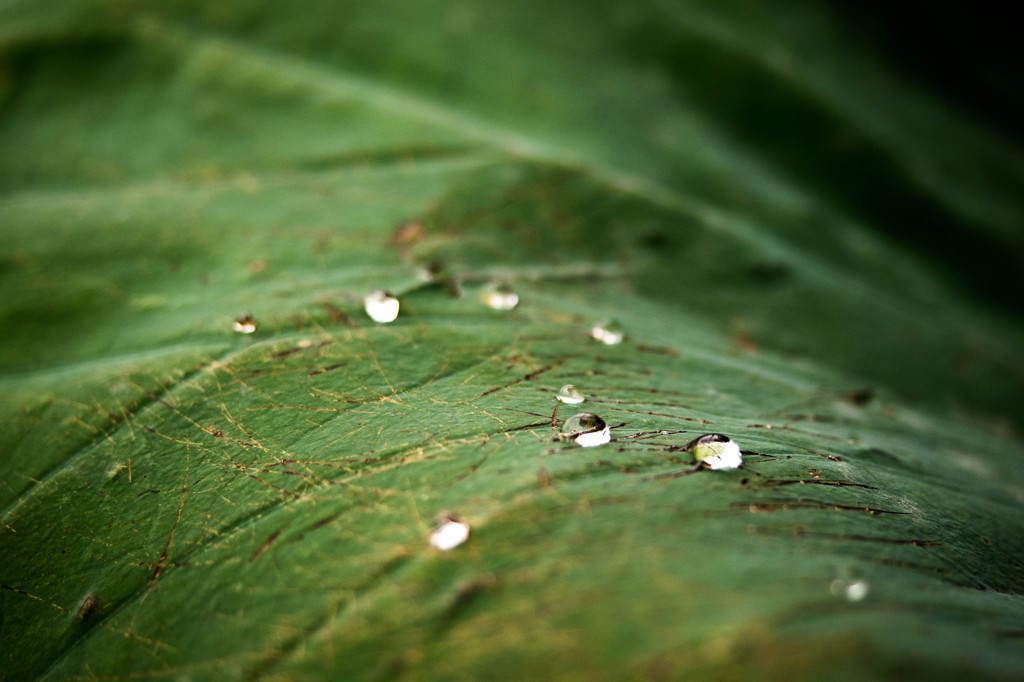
{"x": 744, "y": 193}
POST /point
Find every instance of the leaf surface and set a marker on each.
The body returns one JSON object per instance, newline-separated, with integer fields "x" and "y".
{"x": 180, "y": 500}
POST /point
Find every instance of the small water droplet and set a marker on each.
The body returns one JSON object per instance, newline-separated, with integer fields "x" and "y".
{"x": 381, "y": 306}
{"x": 570, "y": 395}
{"x": 852, "y": 590}
{"x": 586, "y": 429}
{"x": 608, "y": 332}
{"x": 246, "y": 324}
{"x": 450, "y": 533}
{"x": 499, "y": 296}
{"x": 716, "y": 451}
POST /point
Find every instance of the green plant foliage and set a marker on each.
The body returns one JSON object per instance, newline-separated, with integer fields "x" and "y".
{"x": 741, "y": 192}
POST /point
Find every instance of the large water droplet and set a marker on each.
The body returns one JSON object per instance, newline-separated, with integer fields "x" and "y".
{"x": 500, "y": 296}
{"x": 853, "y": 590}
{"x": 450, "y": 533}
{"x": 381, "y": 306}
{"x": 586, "y": 429}
{"x": 570, "y": 395}
{"x": 608, "y": 332}
{"x": 246, "y": 324}
{"x": 716, "y": 451}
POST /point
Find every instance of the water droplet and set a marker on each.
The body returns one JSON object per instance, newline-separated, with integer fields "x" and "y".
{"x": 246, "y": 324}
{"x": 586, "y": 429}
{"x": 500, "y": 296}
{"x": 381, "y": 306}
{"x": 570, "y": 395}
{"x": 852, "y": 590}
{"x": 716, "y": 451}
{"x": 608, "y": 332}
{"x": 450, "y": 533}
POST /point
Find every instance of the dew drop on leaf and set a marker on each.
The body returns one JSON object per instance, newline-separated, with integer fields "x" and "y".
{"x": 570, "y": 395}
{"x": 716, "y": 451}
{"x": 608, "y": 332}
{"x": 450, "y": 533}
{"x": 586, "y": 429}
{"x": 246, "y": 324}
{"x": 381, "y": 306}
{"x": 499, "y": 296}
{"x": 852, "y": 590}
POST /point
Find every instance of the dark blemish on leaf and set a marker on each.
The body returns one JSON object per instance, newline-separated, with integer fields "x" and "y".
{"x": 859, "y": 396}
{"x": 336, "y": 314}
{"x": 649, "y": 413}
{"x": 821, "y": 418}
{"x": 326, "y": 369}
{"x": 468, "y": 594}
{"x": 324, "y": 521}
{"x": 769, "y": 273}
{"x": 644, "y": 435}
{"x": 587, "y": 373}
{"x": 88, "y": 606}
{"x": 795, "y": 504}
{"x": 527, "y": 377}
{"x": 395, "y": 666}
{"x": 658, "y": 350}
{"x": 746, "y": 343}
{"x": 471, "y": 470}
{"x": 801, "y": 531}
{"x": 298, "y": 349}
{"x": 526, "y": 426}
{"x": 656, "y": 241}
{"x": 792, "y": 430}
{"x": 831, "y": 484}
{"x": 148, "y": 492}
{"x": 265, "y": 546}
{"x": 407, "y": 234}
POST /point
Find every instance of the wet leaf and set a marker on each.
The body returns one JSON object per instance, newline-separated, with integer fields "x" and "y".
{"x": 180, "y": 500}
